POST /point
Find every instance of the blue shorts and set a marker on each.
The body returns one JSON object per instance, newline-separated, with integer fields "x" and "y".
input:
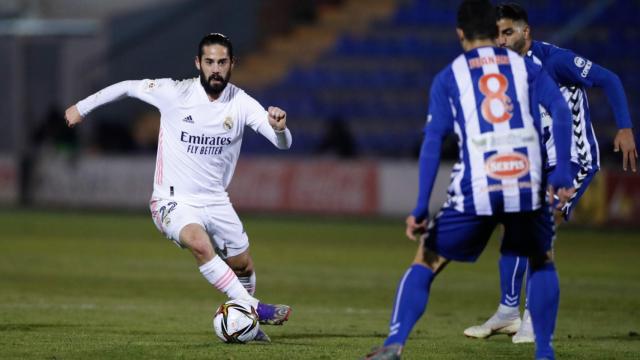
{"x": 582, "y": 177}
{"x": 463, "y": 237}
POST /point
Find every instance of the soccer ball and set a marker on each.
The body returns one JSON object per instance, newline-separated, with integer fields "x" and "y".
{"x": 236, "y": 321}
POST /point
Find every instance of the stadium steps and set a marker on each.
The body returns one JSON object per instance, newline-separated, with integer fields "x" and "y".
{"x": 306, "y": 42}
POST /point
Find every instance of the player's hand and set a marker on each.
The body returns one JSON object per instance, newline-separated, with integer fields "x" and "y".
{"x": 624, "y": 142}
{"x": 414, "y": 228}
{"x": 277, "y": 118}
{"x": 72, "y": 116}
{"x": 562, "y": 195}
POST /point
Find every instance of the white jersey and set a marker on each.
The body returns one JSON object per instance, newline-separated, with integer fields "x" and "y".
{"x": 199, "y": 140}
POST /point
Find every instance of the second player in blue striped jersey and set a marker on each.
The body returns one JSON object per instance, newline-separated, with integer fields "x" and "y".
{"x": 573, "y": 74}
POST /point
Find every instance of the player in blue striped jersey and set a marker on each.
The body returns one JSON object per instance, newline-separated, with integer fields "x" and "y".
{"x": 489, "y": 97}
{"x": 573, "y": 74}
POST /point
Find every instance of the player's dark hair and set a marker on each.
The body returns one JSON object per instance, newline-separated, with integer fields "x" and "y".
{"x": 512, "y": 11}
{"x": 477, "y": 19}
{"x": 215, "y": 38}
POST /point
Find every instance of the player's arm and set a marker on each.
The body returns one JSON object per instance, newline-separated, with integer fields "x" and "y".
{"x": 76, "y": 113}
{"x": 150, "y": 91}
{"x": 439, "y": 124}
{"x": 549, "y": 95}
{"x": 272, "y": 124}
{"x": 574, "y": 69}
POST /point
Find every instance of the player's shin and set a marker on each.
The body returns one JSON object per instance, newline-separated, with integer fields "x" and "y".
{"x": 410, "y": 303}
{"x": 512, "y": 271}
{"x": 220, "y": 275}
{"x": 543, "y": 304}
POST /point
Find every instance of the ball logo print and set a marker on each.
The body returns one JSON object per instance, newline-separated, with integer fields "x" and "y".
{"x": 507, "y": 166}
{"x": 236, "y": 322}
{"x": 496, "y": 106}
{"x": 580, "y": 62}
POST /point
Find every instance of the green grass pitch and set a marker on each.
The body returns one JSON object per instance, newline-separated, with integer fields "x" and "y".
{"x": 109, "y": 286}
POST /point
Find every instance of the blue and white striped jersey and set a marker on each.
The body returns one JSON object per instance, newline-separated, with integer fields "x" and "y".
{"x": 574, "y": 74}
{"x": 489, "y": 97}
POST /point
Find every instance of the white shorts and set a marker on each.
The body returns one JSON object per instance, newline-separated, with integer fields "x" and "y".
{"x": 219, "y": 221}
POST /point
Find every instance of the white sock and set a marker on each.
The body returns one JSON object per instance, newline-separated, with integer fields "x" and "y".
{"x": 249, "y": 283}
{"x": 220, "y": 275}
{"x": 508, "y": 312}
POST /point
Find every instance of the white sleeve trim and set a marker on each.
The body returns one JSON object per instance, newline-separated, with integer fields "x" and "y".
{"x": 281, "y": 139}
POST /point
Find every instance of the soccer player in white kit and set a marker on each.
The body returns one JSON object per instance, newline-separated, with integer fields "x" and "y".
{"x": 201, "y": 126}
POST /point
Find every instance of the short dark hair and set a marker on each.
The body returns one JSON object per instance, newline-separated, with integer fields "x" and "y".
{"x": 512, "y": 11}
{"x": 477, "y": 19}
{"x": 215, "y": 38}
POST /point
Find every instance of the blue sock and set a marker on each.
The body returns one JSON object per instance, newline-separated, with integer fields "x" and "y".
{"x": 512, "y": 270}
{"x": 543, "y": 305}
{"x": 411, "y": 301}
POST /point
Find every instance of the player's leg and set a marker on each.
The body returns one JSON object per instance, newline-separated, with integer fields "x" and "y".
{"x": 543, "y": 304}
{"x": 412, "y": 296}
{"x": 212, "y": 267}
{"x": 506, "y": 319}
{"x": 582, "y": 178}
{"x": 232, "y": 243}
{"x": 242, "y": 265}
{"x": 525, "y": 334}
{"x": 451, "y": 235}
{"x": 183, "y": 224}
{"x": 536, "y": 232}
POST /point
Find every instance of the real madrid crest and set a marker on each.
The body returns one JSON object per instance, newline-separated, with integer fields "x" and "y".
{"x": 228, "y": 123}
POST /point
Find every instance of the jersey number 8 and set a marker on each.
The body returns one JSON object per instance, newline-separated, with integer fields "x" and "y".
{"x": 496, "y": 106}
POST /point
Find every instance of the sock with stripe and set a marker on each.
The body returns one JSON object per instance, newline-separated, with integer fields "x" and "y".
{"x": 249, "y": 283}
{"x": 411, "y": 301}
{"x": 512, "y": 271}
{"x": 544, "y": 297}
{"x": 220, "y": 275}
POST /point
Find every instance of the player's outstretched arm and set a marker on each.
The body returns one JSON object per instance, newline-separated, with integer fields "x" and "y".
{"x": 624, "y": 142}
{"x": 72, "y": 116}
{"x": 150, "y": 91}
{"x": 575, "y": 69}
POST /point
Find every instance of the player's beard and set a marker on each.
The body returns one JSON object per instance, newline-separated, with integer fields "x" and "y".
{"x": 216, "y": 88}
{"x": 519, "y": 45}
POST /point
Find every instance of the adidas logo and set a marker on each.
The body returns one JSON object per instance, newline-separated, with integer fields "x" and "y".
{"x": 188, "y": 119}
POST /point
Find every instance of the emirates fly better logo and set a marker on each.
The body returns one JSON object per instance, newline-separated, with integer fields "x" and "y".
{"x": 507, "y": 166}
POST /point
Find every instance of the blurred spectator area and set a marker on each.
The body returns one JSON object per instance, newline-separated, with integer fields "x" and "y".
{"x": 368, "y": 62}
{"x": 378, "y": 79}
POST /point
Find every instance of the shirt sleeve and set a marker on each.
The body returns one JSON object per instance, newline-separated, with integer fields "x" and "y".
{"x": 571, "y": 69}
{"x": 439, "y": 124}
{"x": 257, "y": 118}
{"x": 551, "y": 98}
{"x": 154, "y": 92}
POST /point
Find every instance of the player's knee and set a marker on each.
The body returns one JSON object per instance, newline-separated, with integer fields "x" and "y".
{"x": 538, "y": 261}
{"x": 197, "y": 241}
{"x": 431, "y": 259}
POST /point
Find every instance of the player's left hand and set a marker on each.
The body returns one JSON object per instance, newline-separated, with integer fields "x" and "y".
{"x": 624, "y": 142}
{"x": 562, "y": 195}
{"x": 277, "y": 118}
{"x": 414, "y": 228}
